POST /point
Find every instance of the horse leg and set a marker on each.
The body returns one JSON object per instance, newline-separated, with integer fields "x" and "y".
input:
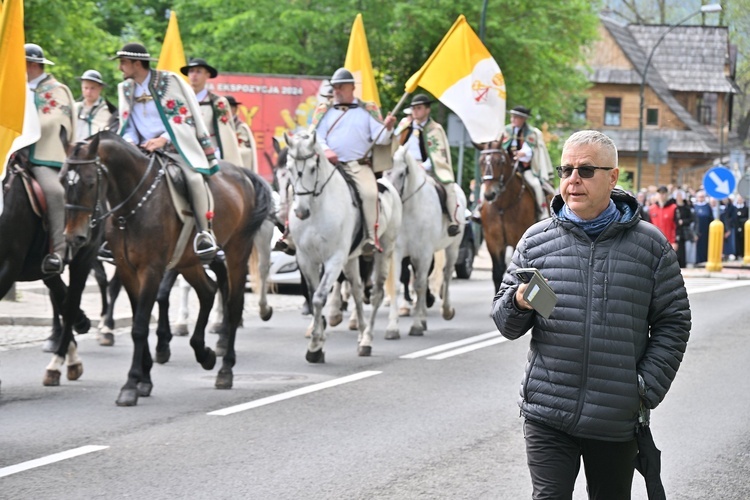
{"x": 180, "y": 327}
{"x": 391, "y": 331}
{"x": 101, "y": 279}
{"x": 142, "y": 300}
{"x": 405, "y": 278}
{"x": 498, "y": 270}
{"x": 382, "y": 264}
{"x": 57, "y": 291}
{"x": 322, "y": 286}
{"x": 364, "y": 339}
{"x": 235, "y": 300}
{"x": 260, "y": 265}
{"x": 451, "y": 255}
{"x": 206, "y": 290}
{"x": 106, "y": 335}
{"x": 217, "y": 315}
{"x": 335, "y": 314}
{"x": 163, "y": 333}
{"x": 420, "y": 285}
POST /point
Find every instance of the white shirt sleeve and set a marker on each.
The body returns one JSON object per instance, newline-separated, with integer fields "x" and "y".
{"x": 525, "y": 153}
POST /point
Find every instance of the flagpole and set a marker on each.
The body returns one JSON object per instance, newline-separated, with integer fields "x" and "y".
{"x": 395, "y": 110}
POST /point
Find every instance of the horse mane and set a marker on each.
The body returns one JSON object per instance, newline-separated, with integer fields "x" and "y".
{"x": 133, "y": 150}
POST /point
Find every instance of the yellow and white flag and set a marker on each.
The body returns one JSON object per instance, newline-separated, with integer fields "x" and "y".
{"x": 462, "y": 74}
{"x": 359, "y": 63}
{"x": 172, "y": 56}
{"x": 12, "y": 77}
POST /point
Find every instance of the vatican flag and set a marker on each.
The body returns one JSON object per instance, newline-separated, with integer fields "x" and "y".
{"x": 172, "y": 56}
{"x": 359, "y": 63}
{"x": 462, "y": 74}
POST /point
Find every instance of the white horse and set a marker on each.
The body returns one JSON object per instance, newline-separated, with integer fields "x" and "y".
{"x": 324, "y": 224}
{"x": 424, "y": 231}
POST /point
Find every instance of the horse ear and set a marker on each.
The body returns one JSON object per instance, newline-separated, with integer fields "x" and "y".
{"x": 314, "y": 136}
{"x": 64, "y": 139}
{"x": 287, "y": 139}
{"x": 479, "y": 145}
{"x": 93, "y": 146}
{"x": 276, "y": 145}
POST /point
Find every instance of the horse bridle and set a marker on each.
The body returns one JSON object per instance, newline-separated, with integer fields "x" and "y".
{"x": 102, "y": 170}
{"x": 403, "y": 185}
{"x": 315, "y": 192}
{"x": 487, "y": 174}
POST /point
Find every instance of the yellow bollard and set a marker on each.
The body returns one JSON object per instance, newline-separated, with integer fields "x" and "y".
{"x": 746, "y": 236}
{"x": 715, "y": 245}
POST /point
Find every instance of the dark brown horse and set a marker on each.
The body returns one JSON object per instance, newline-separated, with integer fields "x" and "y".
{"x": 23, "y": 245}
{"x": 509, "y": 208}
{"x": 143, "y": 229}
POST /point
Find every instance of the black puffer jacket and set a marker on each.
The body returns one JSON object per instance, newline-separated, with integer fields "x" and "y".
{"x": 622, "y": 311}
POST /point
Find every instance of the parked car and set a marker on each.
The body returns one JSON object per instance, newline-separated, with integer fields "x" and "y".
{"x": 468, "y": 249}
{"x": 284, "y": 269}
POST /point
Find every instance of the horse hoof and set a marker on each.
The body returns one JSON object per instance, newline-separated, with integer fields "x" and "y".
{"x": 392, "y": 335}
{"x": 449, "y": 314}
{"x": 180, "y": 330}
{"x": 49, "y": 345}
{"x": 267, "y": 315}
{"x": 144, "y": 389}
{"x": 224, "y": 379}
{"x": 404, "y": 311}
{"x": 51, "y": 378}
{"x": 365, "y": 350}
{"x": 221, "y": 345}
{"x": 162, "y": 356}
{"x": 127, "y": 397}
{"x": 106, "y": 339}
{"x": 210, "y": 361}
{"x": 335, "y": 319}
{"x": 416, "y": 331}
{"x": 103, "y": 328}
{"x": 353, "y": 324}
{"x": 75, "y": 371}
{"x": 315, "y": 357}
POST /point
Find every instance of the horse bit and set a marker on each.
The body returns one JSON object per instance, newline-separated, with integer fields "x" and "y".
{"x": 314, "y": 191}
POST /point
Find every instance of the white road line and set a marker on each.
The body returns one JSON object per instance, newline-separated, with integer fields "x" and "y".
{"x": 294, "y": 393}
{"x": 468, "y": 348}
{"x": 696, "y": 288}
{"x": 451, "y": 345}
{"x": 50, "y": 459}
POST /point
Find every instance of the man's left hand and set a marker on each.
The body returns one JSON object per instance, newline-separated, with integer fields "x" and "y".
{"x": 152, "y": 145}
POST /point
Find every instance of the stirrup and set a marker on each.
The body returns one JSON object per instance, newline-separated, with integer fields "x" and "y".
{"x": 204, "y": 246}
{"x": 52, "y": 264}
{"x": 105, "y": 254}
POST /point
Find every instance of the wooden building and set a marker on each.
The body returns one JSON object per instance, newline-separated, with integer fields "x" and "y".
{"x": 687, "y": 98}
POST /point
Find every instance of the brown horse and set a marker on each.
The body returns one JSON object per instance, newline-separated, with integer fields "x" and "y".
{"x": 509, "y": 208}
{"x": 143, "y": 229}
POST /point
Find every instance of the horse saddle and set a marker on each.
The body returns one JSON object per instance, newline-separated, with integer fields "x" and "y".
{"x": 440, "y": 188}
{"x": 31, "y": 186}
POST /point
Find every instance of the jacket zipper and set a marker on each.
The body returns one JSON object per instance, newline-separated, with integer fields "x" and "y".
{"x": 587, "y": 339}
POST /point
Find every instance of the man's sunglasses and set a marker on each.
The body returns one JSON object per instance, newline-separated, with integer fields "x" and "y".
{"x": 585, "y": 172}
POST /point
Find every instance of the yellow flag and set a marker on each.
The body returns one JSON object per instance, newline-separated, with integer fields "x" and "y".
{"x": 359, "y": 63}
{"x": 463, "y": 75}
{"x": 12, "y": 76}
{"x": 172, "y": 56}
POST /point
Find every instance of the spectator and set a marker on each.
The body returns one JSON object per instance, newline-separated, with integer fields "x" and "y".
{"x": 685, "y": 221}
{"x": 663, "y": 215}
{"x": 703, "y": 217}
{"x": 739, "y": 232}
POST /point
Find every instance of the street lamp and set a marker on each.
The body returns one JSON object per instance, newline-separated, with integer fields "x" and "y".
{"x": 705, "y": 9}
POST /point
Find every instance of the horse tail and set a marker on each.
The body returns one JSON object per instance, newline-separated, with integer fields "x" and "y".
{"x": 263, "y": 200}
{"x": 436, "y": 277}
{"x": 254, "y": 268}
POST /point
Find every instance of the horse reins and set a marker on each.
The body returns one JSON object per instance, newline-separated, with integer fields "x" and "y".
{"x": 314, "y": 192}
{"x": 403, "y": 186}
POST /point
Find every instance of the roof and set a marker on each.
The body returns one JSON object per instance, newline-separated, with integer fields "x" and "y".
{"x": 699, "y": 137}
{"x": 690, "y": 58}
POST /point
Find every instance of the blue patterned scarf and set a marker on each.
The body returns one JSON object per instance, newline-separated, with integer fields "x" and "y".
{"x": 594, "y": 227}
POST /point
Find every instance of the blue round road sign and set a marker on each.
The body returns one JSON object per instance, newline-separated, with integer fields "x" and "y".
{"x": 719, "y": 182}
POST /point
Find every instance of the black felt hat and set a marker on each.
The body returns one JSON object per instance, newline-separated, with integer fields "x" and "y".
{"x": 35, "y": 54}
{"x": 197, "y": 62}
{"x": 93, "y": 76}
{"x": 134, "y": 51}
{"x": 421, "y": 99}
{"x": 521, "y": 111}
{"x": 232, "y": 100}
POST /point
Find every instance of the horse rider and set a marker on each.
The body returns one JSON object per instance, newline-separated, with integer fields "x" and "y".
{"x": 215, "y": 110}
{"x": 245, "y": 137}
{"x": 520, "y": 140}
{"x": 346, "y": 129}
{"x": 158, "y": 110}
{"x": 54, "y": 104}
{"x": 426, "y": 141}
{"x": 93, "y": 112}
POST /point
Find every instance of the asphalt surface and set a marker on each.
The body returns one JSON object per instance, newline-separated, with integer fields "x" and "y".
{"x": 27, "y": 320}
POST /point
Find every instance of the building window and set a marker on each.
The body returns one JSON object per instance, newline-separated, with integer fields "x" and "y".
{"x": 579, "y": 113}
{"x": 706, "y": 109}
{"x": 652, "y": 116}
{"x": 612, "y": 111}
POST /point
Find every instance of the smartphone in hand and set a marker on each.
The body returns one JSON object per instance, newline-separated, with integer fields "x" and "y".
{"x": 538, "y": 292}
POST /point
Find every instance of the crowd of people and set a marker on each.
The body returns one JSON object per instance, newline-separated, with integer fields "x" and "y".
{"x": 684, "y": 214}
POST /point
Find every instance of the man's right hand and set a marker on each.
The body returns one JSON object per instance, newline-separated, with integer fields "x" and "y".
{"x": 152, "y": 145}
{"x": 520, "y": 301}
{"x": 332, "y": 156}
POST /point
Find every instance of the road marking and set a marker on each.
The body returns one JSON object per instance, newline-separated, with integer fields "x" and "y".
{"x": 50, "y": 459}
{"x": 469, "y": 348}
{"x": 291, "y": 394}
{"x": 451, "y": 345}
{"x": 713, "y": 286}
